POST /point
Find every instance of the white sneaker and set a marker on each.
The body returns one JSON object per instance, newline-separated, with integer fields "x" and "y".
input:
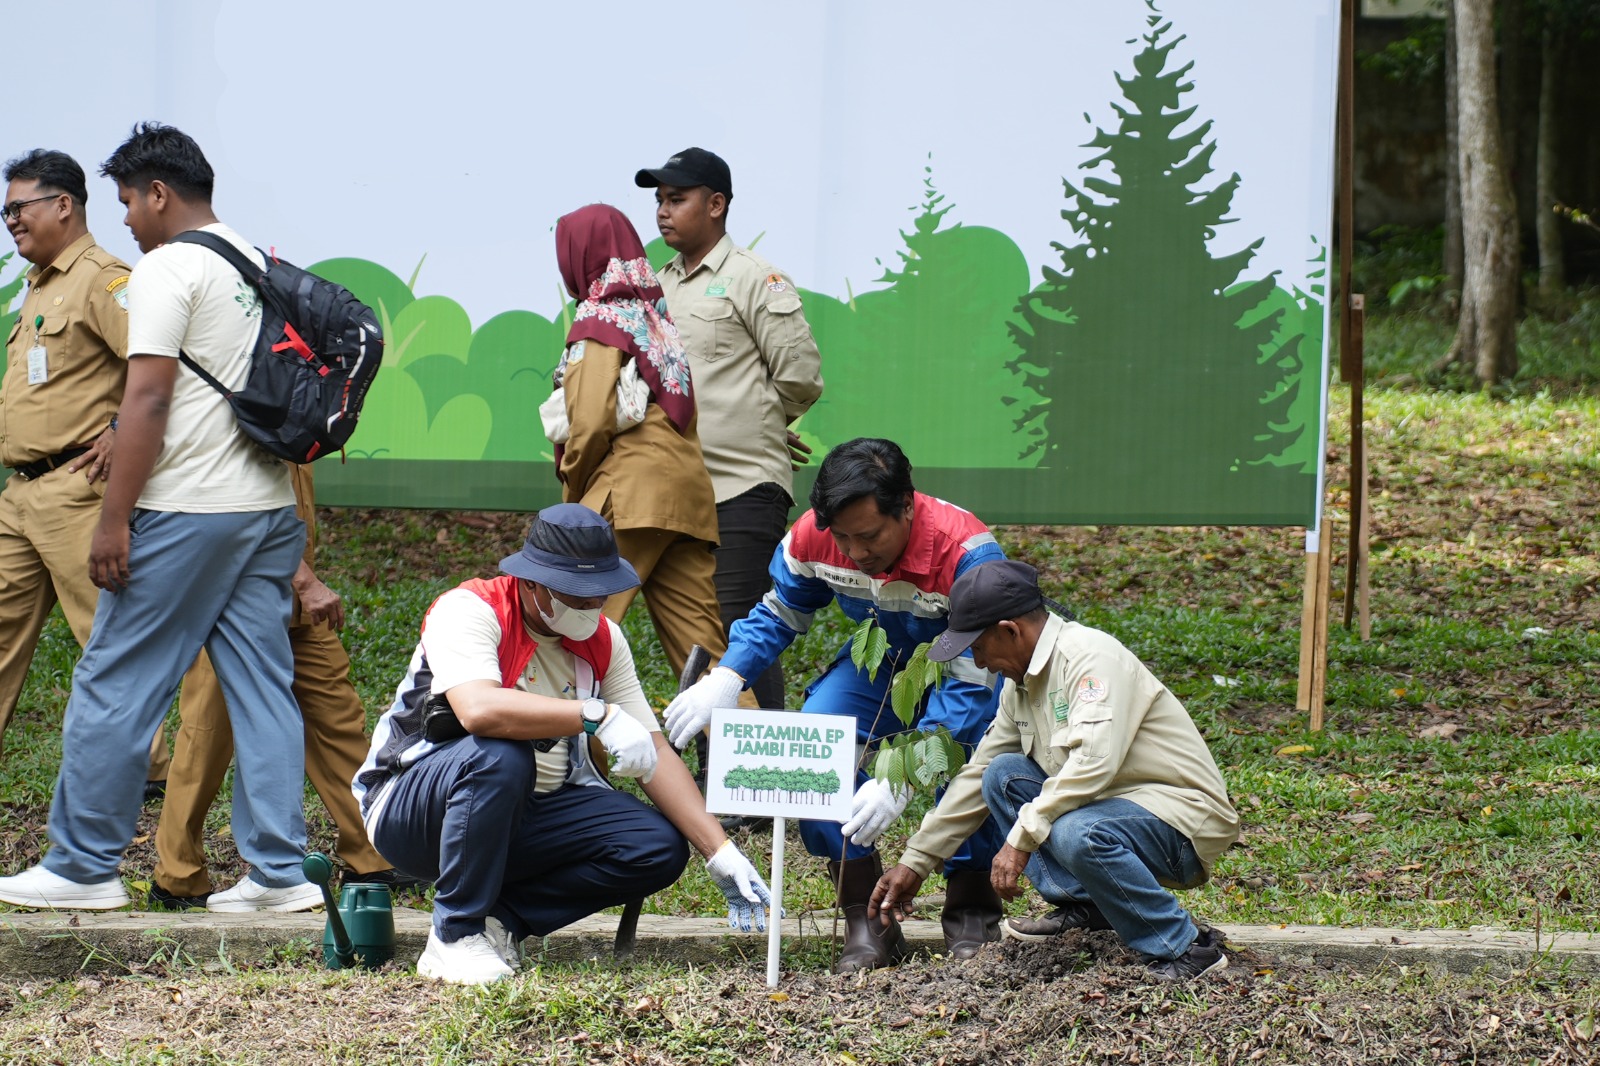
{"x": 508, "y": 947}
{"x": 249, "y": 895}
{"x": 39, "y": 888}
{"x": 472, "y": 960}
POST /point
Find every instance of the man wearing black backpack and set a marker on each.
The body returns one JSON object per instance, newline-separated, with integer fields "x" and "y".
{"x": 196, "y": 545}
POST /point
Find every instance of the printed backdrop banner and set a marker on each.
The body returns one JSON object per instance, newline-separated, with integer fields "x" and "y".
{"x": 1071, "y": 254}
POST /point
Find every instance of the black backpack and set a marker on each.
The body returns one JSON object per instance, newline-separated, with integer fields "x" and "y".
{"x": 317, "y": 353}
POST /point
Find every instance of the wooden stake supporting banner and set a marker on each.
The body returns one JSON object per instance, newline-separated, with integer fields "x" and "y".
{"x": 1355, "y": 578}
{"x": 1314, "y": 624}
{"x": 1359, "y": 561}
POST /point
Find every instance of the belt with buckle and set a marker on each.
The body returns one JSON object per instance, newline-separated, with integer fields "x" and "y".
{"x": 29, "y": 471}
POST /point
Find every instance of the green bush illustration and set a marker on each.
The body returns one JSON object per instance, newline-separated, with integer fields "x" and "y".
{"x": 447, "y": 391}
{"x": 941, "y": 335}
{"x": 1159, "y": 376}
{"x": 772, "y": 783}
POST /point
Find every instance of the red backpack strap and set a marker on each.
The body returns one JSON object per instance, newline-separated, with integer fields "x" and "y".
{"x": 516, "y": 645}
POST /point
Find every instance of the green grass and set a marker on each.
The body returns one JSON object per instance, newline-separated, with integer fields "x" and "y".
{"x": 1456, "y": 783}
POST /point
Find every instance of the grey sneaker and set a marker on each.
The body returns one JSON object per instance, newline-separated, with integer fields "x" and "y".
{"x": 1055, "y": 922}
{"x": 1201, "y": 958}
{"x": 507, "y": 946}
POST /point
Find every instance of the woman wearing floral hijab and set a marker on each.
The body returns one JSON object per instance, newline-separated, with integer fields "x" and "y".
{"x": 647, "y": 476}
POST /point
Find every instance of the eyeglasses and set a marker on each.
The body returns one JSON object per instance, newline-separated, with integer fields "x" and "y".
{"x": 13, "y": 210}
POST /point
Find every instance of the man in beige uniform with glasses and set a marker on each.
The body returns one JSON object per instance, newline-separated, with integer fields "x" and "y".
{"x": 66, "y": 359}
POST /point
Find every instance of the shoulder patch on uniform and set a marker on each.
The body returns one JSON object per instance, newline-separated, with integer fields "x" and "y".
{"x": 1091, "y": 690}
{"x": 775, "y": 283}
{"x": 118, "y": 282}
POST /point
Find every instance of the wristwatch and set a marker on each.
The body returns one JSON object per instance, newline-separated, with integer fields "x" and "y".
{"x": 594, "y": 712}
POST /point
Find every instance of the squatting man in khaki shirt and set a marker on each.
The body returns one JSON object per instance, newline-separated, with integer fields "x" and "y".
{"x": 1096, "y": 773}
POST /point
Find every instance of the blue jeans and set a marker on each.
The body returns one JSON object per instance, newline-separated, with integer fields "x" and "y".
{"x": 218, "y": 581}
{"x": 845, "y": 690}
{"x": 467, "y": 818}
{"x": 1112, "y": 853}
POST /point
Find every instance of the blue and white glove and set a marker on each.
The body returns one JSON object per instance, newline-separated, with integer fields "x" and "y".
{"x": 630, "y": 745}
{"x": 874, "y": 808}
{"x": 690, "y": 711}
{"x": 749, "y": 899}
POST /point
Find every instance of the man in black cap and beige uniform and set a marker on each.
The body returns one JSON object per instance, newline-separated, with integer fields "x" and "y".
{"x": 756, "y": 370}
{"x": 483, "y": 779}
{"x": 1106, "y": 790}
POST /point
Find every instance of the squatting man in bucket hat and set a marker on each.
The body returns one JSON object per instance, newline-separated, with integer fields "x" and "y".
{"x": 1095, "y": 772}
{"x": 487, "y": 776}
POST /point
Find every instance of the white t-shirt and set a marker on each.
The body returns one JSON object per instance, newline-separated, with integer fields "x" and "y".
{"x": 461, "y": 638}
{"x": 185, "y": 297}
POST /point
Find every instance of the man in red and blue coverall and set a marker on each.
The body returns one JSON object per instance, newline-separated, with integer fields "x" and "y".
{"x": 881, "y": 549}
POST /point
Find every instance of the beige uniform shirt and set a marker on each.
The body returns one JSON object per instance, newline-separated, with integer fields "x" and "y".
{"x": 755, "y": 365}
{"x": 1101, "y": 725}
{"x": 647, "y": 477}
{"x": 76, "y": 310}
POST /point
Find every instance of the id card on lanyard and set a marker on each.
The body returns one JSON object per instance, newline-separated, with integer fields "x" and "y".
{"x": 38, "y": 364}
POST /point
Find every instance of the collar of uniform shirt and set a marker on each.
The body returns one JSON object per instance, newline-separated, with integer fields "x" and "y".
{"x": 918, "y": 556}
{"x": 1043, "y": 650}
{"x": 63, "y": 262}
{"x": 713, "y": 261}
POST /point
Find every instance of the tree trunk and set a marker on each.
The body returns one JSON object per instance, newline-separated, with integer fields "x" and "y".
{"x": 1552, "y": 273}
{"x": 1454, "y": 268}
{"x": 1486, "y": 334}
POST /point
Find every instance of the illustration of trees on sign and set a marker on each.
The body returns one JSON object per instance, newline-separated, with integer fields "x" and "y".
{"x": 1151, "y": 376}
{"x": 771, "y": 783}
{"x": 941, "y": 332}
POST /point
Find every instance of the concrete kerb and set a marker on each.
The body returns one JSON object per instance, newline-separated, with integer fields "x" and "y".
{"x": 57, "y": 945}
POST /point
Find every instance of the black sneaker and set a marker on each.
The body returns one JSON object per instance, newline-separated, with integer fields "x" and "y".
{"x": 160, "y": 899}
{"x": 1053, "y": 923}
{"x": 1201, "y": 958}
{"x": 396, "y": 880}
{"x": 154, "y": 790}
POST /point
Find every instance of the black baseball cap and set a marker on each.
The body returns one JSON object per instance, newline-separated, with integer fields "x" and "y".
{"x": 688, "y": 168}
{"x": 981, "y": 597}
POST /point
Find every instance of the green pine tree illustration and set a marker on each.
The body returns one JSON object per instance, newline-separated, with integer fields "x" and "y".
{"x": 1151, "y": 379}
{"x": 941, "y": 333}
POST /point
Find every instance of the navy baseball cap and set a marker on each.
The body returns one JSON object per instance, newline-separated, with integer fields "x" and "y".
{"x": 981, "y": 597}
{"x": 572, "y": 550}
{"x": 688, "y": 168}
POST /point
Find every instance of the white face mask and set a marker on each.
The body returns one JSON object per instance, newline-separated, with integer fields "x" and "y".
{"x": 569, "y": 621}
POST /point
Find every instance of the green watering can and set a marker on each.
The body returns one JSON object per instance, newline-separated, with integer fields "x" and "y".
{"x": 360, "y": 929}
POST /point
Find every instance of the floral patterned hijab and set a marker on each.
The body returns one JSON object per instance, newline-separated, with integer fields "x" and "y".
{"x": 621, "y": 304}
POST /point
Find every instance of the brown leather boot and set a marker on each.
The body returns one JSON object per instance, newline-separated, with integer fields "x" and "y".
{"x": 972, "y": 912}
{"x": 868, "y": 944}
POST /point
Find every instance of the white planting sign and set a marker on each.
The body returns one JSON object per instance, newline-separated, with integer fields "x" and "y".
{"x": 781, "y": 764}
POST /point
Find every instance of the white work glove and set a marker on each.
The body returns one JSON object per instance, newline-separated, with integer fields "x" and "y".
{"x": 749, "y": 899}
{"x": 632, "y": 749}
{"x": 874, "y": 808}
{"x": 690, "y": 711}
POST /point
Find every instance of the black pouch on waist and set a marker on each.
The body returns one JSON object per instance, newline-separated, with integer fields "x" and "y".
{"x": 439, "y": 721}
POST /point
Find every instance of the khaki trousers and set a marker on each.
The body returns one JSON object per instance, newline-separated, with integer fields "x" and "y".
{"x": 335, "y": 739}
{"x": 677, "y": 575}
{"x": 46, "y": 526}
